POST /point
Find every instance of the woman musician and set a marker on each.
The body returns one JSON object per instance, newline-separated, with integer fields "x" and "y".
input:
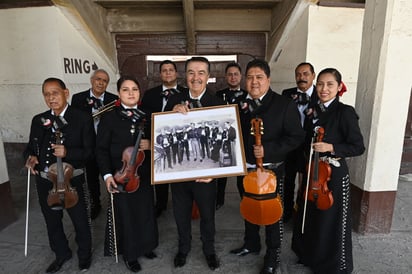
{"x": 325, "y": 243}
{"x": 135, "y": 223}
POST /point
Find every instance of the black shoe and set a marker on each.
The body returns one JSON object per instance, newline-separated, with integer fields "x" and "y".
{"x": 95, "y": 210}
{"x": 180, "y": 259}
{"x": 150, "y": 255}
{"x": 268, "y": 270}
{"x": 219, "y": 206}
{"x": 84, "y": 264}
{"x": 212, "y": 261}
{"x": 242, "y": 251}
{"x": 57, "y": 264}
{"x": 133, "y": 266}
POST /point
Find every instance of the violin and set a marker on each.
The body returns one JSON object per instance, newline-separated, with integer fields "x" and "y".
{"x": 260, "y": 205}
{"x": 62, "y": 195}
{"x": 127, "y": 177}
{"x": 320, "y": 172}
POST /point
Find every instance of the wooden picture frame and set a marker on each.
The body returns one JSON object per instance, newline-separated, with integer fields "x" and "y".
{"x": 204, "y": 143}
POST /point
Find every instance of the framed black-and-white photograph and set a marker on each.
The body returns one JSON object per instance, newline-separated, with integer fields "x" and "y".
{"x": 204, "y": 143}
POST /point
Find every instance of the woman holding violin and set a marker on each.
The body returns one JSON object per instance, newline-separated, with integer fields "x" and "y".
{"x": 123, "y": 156}
{"x": 322, "y": 236}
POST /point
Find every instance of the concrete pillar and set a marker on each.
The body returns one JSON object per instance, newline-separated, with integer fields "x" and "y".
{"x": 7, "y": 215}
{"x": 383, "y": 91}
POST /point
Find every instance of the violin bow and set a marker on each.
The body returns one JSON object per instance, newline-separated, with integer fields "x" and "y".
{"x": 114, "y": 228}
{"x": 307, "y": 185}
{"x": 27, "y": 213}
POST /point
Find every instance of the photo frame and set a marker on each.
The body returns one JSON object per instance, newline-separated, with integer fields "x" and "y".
{"x": 204, "y": 143}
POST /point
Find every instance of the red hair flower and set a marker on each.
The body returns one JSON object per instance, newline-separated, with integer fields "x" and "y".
{"x": 343, "y": 89}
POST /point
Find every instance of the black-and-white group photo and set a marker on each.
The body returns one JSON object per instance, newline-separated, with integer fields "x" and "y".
{"x": 195, "y": 145}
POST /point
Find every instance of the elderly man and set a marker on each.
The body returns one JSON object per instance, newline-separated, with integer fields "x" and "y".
{"x": 74, "y": 129}
{"x": 90, "y": 101}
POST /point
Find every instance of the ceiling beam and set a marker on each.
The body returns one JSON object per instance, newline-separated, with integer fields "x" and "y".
{"x": 189, "y": 19}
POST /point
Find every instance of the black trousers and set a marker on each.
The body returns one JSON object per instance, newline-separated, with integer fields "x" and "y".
{"x": 273, "y": 232}
{"x": 221, "y": 188}
{"x": 183, "y": 195}
{"x": 162, "y": 196}
{"x": 93, "y": 182}
{"x": 294, "y": 164}
{"x": 78, "y": 215}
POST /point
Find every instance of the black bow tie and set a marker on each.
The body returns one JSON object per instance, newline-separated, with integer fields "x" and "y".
{"x": 194, "y": 103}
{"x": 320, "y": 111}
{"x": 133, "y": 114}
{"x": 250, "y": 105}
{"x": 301, "y": 98}
{"x": 94, "y": 102}
{"x": 322, "y": 107}
{"x": 169, "y": 92}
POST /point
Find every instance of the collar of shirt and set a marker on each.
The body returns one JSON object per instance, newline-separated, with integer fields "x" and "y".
{"x": 126, "y": 107}
{"x": 250, "y": 97}
{"x": 92, "y": 95}
{"x": 328, "y": 102}
{"x": 309, "y": 91}
{"x": 63, "y": 112}
{"x": 198, "y": 97}
{"x": 164, "y": 87}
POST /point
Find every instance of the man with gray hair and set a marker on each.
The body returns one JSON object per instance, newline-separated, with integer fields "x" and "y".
{"x": 91, "y": 101}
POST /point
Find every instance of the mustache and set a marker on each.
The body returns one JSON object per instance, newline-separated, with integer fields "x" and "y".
{"x": 196, "y": 81}
{"x": 302, "y": 81}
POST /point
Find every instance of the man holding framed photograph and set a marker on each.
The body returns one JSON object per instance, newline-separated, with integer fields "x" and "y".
{"x": 201, "y": 191}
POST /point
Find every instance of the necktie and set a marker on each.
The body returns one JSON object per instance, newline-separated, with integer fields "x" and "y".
{"x": 59, "y": 122}
{"x": 194, "y": 103}
{"x": 322, "y": 107}
{"x": 320, "y": 111}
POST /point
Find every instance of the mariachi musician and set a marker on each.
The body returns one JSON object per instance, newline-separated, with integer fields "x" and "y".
{"x": 325, "y": 242}
{"x": 94, "y": 101}
{"x": 136, "y": 232}
{"x": 155, "y": 100}
{"x": 282, "y": 133}
{"x": 77, "y": 147}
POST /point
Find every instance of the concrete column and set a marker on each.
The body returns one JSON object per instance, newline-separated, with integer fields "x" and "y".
{"x": 382, "y": 100}
{"x": 7, "y": 215}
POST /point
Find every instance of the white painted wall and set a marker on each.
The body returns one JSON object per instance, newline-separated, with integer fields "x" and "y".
{"x": 323, "y": 37}
{"x": 334, "y": 40}
{"x": 4, "y": 174}
{"x": 34, "y": 43}
{"x": 292, "y": 52}
{"x": 386, "y": 87}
